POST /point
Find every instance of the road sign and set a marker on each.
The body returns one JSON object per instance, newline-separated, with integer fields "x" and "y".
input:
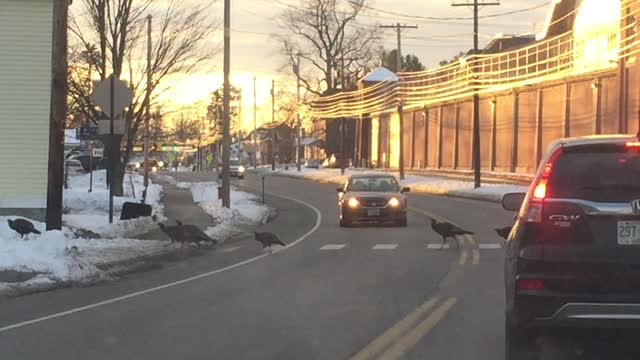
{"x": 122, "y": 96}
{"x": 88, "y": 133}
{"x": 98, "y": 152}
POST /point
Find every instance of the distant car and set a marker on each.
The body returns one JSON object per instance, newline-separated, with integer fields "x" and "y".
{"x": 88, "y": 163}
{"x": 74, "y": 167}
{"x": 313, "y": 164}
{"x": 573, "y": 254}
{"x": 154, "y": 166}
{"x": 376, "y": 198}
{"x": 235, "y": 169}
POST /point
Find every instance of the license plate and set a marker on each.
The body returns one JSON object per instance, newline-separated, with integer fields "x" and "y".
{"x": 373, "y": 212}
{"x": 628, "y": 232}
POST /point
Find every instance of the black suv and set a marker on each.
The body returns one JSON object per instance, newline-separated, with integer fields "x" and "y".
{"x": 573, "y": 255}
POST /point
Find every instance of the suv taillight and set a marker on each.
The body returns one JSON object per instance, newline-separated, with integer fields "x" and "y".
{"x": 533, "y": 209}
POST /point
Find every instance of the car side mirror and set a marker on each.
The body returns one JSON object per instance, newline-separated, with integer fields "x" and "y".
{"x": 405, "y": 190}
{"x": 513, "y": 201}
{"x": 340, "y": 190}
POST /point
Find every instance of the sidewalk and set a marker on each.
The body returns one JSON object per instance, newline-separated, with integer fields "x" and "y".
{"x": 179, "y": 205}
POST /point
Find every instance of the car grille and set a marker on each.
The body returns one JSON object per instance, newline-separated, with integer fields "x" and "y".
{"x": 373, "y": 202}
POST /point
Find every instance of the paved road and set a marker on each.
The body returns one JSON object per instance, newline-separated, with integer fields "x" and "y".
{"x": 361, "y": 293}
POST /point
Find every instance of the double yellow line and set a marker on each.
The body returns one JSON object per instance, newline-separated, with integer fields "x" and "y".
{"x": 404, "y": 335}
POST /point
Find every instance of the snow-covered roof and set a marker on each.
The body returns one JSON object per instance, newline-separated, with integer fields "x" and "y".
{"x": 380, "y": 74}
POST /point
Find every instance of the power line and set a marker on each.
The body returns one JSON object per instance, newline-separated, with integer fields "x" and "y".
{"x": 394, "y": 13}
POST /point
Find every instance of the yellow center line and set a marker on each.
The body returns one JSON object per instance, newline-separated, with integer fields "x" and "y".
{"x": 408, "y": 341}
{"x": 382, "y": 341}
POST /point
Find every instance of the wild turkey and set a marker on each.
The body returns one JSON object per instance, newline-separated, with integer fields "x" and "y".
{"x": 447, "y": 230}
{"x": 23, "y": 227}
{"x": 268, "y": 239}
{"x": 185, "y": 234}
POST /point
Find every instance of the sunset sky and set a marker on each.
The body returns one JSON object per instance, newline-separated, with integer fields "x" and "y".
{"x": 255, "y": 50}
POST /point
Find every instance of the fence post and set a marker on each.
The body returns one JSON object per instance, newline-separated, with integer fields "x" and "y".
{"x": 516, "y": 114}
{"x": 439, "y": 157}
{"x": 413, "y": 140}
{"x": 567, "y": 110}
{"x": 538, "y": 137}
{"x": 596, "y": 85}
{"x": 456, "y": 139}
{"x": 425, "y": 114}
{"x": 494, "y": 121}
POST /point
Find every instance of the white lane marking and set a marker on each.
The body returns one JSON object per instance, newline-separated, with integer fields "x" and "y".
{"x": 171, "y": 284}
{"x": 489, "y": 246}
{"x": 333, "y": 247}
{"x": 385, "y": 247}
{"x": 231, "y": 249}
{"x": 436, "y": 246}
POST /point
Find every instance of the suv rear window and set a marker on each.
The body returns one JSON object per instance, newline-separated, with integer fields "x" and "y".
{"x": 602, "y": 175}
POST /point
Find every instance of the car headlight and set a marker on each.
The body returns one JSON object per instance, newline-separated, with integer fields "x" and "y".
{"x": 160, "y": 163}
{"x": 353, "y": 202}
{"x": 154, "y": 169}
{"x": 394, "y": 202}
{"x": 137, "y": 165}
{"x": 241, "y": 169}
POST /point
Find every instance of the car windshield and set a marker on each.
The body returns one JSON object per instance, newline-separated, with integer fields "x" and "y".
{"x": 234, "y": 162}
{"x": 374, "y": 184}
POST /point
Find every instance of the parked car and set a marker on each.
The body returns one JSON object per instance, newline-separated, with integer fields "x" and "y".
{"x": 573, "y": 255}
{"x": 313, "y": 164}
{"x": 88, "y": 164}
{"x": 374, "y": 198}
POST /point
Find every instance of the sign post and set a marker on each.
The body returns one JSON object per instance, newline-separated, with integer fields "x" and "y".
{"x": 112, "y": 96}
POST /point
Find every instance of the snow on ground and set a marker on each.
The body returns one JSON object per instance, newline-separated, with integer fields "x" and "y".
{"x": 417, "y": 183}
{"x": 89, "y": 210}
{"x": 244, "y": 206}
{"x": 53, "y": 257}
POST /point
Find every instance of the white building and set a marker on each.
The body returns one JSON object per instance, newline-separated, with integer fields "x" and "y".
{"x": 25, "y": 83}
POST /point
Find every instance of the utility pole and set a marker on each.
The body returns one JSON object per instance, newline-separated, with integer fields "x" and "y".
{"x": 226, "y": 120}
{"x": 273, "y": 122}
{"x": 255, "y": 126}
{"x": 398, "y": 27}
{"x": 58, "y": 113}
{"x": 299, "y": 122}
{"x": 476, "y": 96}
{"x": 147, "y": 119}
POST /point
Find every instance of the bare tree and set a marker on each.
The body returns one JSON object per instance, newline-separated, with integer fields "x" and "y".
{"x": 327, "y": 36}
{"x": 181, "y": 33}
{"x": 186, "y": 130}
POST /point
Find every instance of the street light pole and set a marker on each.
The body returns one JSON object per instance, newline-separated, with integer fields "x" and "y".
{"x": 147, "y": 118}
{"x": 226, "y": 136}
{"x": 255, "y": 126}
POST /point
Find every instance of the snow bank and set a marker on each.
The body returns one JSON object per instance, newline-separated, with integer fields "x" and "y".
{"x": 58, "y": 256}
{"x": 244, "y": 206}
{"x": 418, "y": 183}
{"x": 89, "y": 210}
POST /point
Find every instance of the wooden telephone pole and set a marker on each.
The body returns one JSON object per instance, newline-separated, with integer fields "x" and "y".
{"x": 55, "y": 177}
{"x": 476, "y": 97}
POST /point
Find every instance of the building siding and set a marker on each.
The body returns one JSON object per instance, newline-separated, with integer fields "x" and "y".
{"x": 25, "y": 82}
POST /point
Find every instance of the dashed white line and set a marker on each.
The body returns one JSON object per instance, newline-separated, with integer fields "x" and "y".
{"x": 385, "y": 247}
{"x": 489, "y": 246}
{"x": 436, "y": 246}
{"x": 231, "y": 249}
{"x": 333, "y": 247}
